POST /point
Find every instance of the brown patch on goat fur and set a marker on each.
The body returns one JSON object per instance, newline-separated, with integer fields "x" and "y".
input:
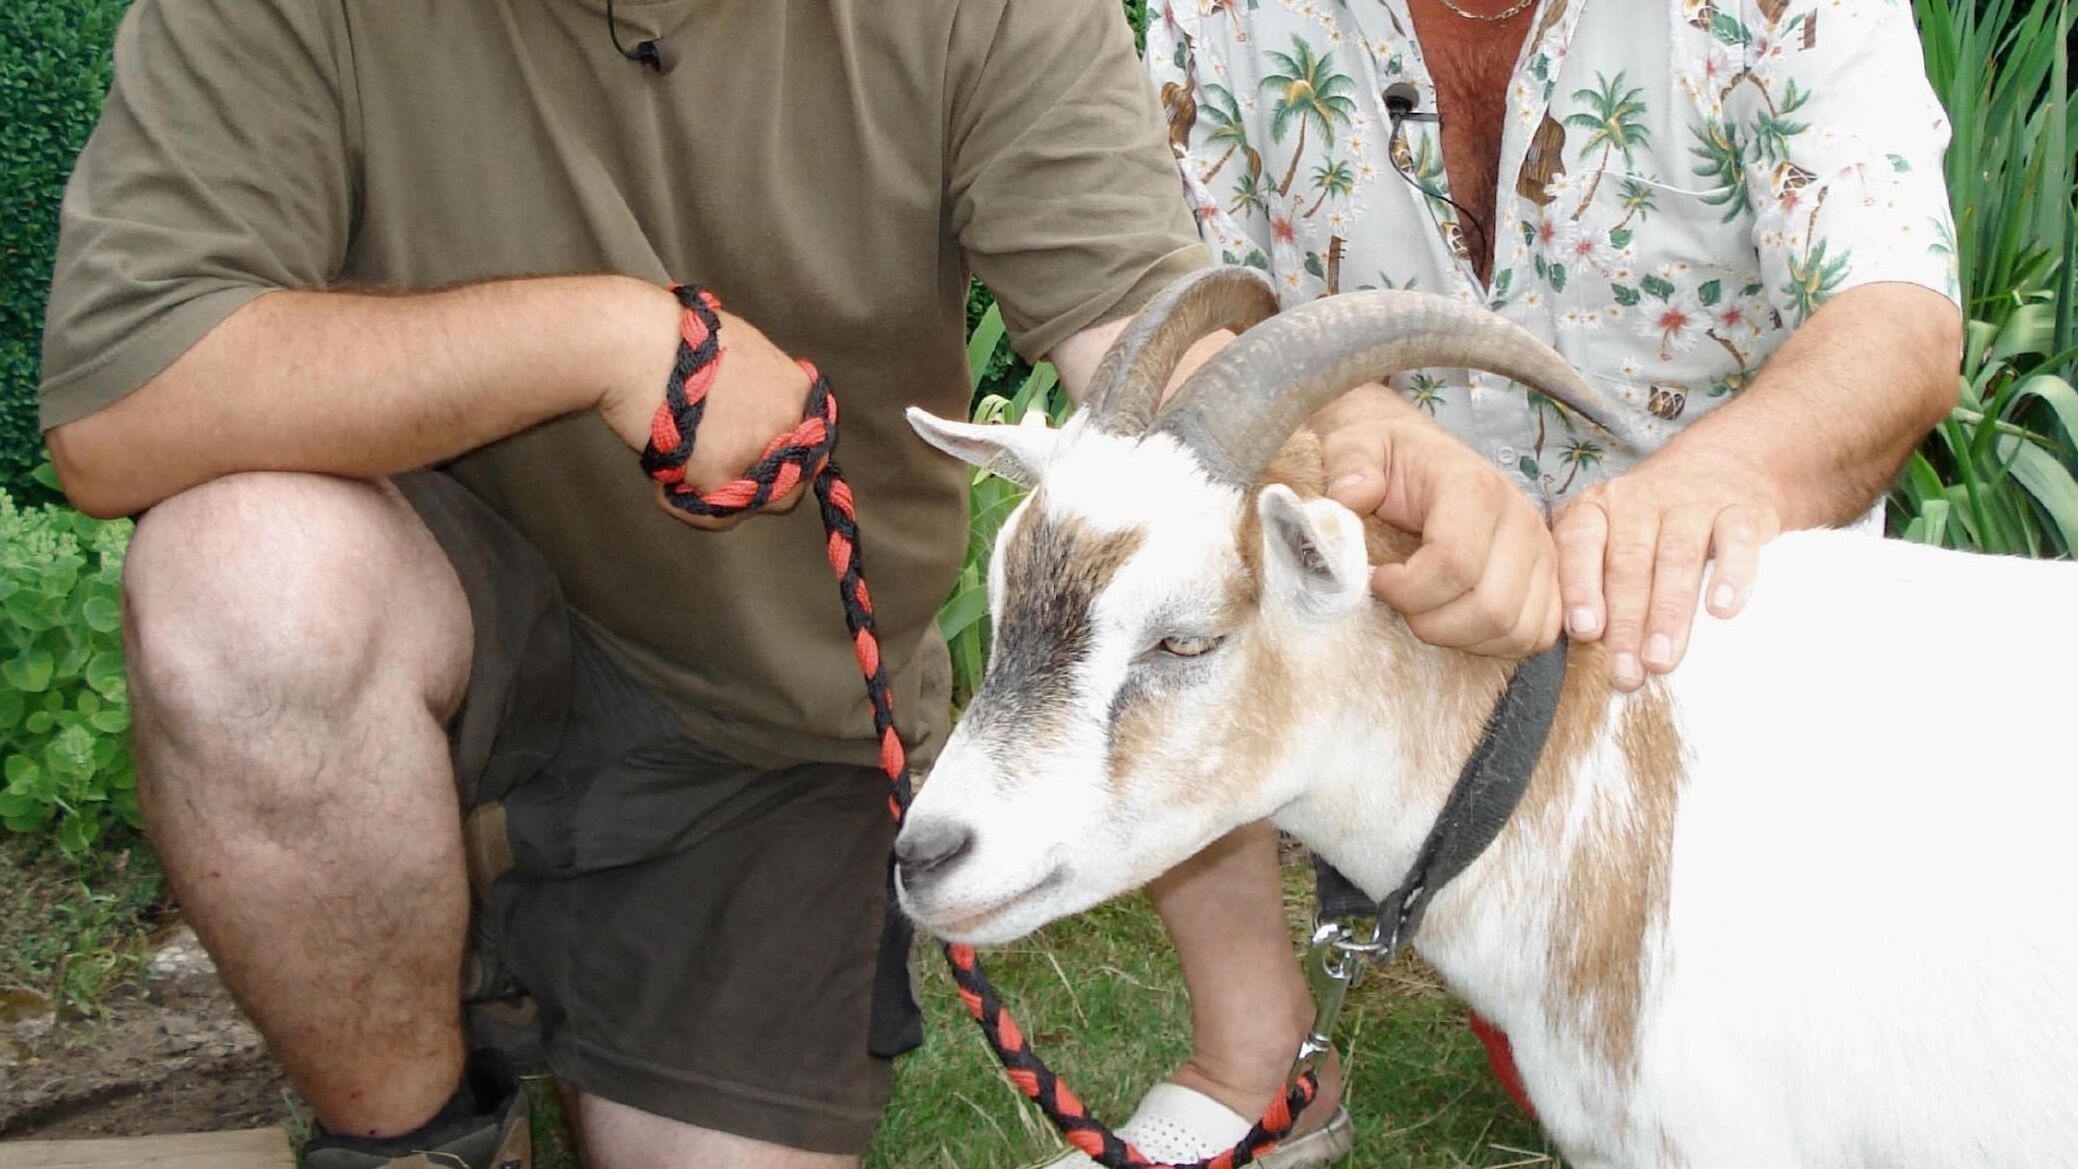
{"x": 1446, "y": 692}
{"x": 1297, "y": 465}
{"x": 1616, "y": 885}
{"x": 1244, "y": 750}
{"x": 1138, "y": 731}
{"x": 1460, "y": 689}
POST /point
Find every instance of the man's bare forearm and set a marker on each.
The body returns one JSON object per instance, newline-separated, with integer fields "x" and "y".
{"x": 1826, "y": 424}
{"x": 367, "y": 385}
{"x": 1076, "y": 358}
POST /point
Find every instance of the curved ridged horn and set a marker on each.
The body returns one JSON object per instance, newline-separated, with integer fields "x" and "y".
{"x": 1240, "y": 407}
{"x": 1128, "y": 384}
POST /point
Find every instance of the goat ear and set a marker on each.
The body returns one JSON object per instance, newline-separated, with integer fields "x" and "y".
{"x": 1313, "y": 553}
{"x": 1017, "y": 453}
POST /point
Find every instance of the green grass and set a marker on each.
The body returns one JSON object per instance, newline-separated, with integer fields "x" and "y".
{"x": 76, "y": 933}
{"x": 1104, "y": 1003}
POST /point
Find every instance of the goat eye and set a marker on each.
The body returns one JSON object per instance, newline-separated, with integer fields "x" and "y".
{"x": 1188, "y": 647}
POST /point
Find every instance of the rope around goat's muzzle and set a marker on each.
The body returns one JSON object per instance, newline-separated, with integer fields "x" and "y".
{"x": 804, "y": 453}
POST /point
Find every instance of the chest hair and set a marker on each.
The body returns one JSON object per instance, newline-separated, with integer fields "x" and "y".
{"x": 1471, "y": 63}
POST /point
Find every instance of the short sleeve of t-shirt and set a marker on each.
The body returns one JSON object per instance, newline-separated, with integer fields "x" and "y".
{"x": 220, "y": 169}
{"x": 1063, "y": 192}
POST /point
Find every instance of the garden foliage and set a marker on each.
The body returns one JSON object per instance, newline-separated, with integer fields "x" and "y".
{"x": 64, "y": 708}
{"x": 1997, "y": 475}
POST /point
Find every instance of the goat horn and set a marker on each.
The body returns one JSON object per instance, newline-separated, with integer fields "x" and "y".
{"x": 1129, "y": 381}
{"x": 1240, "y": 407}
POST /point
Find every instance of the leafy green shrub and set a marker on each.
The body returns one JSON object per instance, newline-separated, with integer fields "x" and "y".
{"x": 2002, "y": 72}
{"x": 64, "y": 706}
{"x": 54, "y": 69}
{"x": 1996, "y": 475}
{"x": 2001, "y": 473}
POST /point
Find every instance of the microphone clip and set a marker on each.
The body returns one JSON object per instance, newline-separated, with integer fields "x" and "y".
{"x": 655, "y": 53}
{"x": 1403, "y": 104}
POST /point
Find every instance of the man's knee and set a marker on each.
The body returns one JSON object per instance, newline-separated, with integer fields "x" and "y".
{"x": 273, "y": 594}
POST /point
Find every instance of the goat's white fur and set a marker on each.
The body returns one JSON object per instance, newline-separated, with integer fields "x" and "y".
{"x": 1868, "y": 953}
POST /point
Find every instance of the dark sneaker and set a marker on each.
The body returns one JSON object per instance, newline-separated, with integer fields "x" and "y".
{"x": 497, "y": 1138}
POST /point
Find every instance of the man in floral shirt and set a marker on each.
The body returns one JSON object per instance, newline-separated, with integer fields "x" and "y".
{"x": 1730, "y": 213}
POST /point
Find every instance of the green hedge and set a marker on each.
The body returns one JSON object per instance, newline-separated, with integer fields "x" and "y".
{"x": 54, "y": 68}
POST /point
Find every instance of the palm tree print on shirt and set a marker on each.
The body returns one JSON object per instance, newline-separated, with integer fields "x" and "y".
{"x": 1579, "y": 455}
{"x": 1331, "y": 178}
{"x": 1718, "y": 154}
{"x": 1613, "y": 120}
{"x": 1230, "y": 132}
{"x": 1250, "y": 194}
{"x": 1311, "y": 93}
{"x": 1425, "y": 390}
{"x": 1545, "y": 409}
{"x": 1637, "y": 202}
{"x": 1813, "y": 277}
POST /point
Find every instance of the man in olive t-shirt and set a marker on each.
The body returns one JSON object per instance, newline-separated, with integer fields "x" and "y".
{"x": 363, "y": 300}
{"x": 344, "y": 240}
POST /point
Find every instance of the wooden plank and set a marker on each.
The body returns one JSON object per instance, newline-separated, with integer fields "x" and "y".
{"x": 260, "y": 1148}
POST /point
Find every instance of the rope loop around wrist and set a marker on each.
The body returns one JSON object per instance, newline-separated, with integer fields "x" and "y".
{"x": 786, "y": 462}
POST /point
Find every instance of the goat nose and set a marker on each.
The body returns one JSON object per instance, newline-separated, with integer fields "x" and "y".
{"x": 931, "y": 845}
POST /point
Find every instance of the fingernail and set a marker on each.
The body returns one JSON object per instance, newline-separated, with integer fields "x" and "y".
{"x": 1721, "y": 597}
{"x": 1581, "y": 622}
{"x": 1349, "y": 480}
{"x": 1627, "y": 671}
{"x": 1659, "y": 651}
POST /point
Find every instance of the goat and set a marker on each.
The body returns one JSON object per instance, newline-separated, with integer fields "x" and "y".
{"x": 1777, "y": 909}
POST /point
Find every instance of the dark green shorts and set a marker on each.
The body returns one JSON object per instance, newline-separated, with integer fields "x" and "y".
{"x": 683, "y": 933}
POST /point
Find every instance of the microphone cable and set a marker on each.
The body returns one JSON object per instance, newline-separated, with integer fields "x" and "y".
{"x": 1402, "y": 100}
{"x": 647, "y": 52}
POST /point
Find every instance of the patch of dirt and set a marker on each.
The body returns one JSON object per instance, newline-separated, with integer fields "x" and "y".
{"x": 179, "y": 1057}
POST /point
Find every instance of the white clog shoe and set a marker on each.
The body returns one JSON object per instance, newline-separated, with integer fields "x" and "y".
{"x": 1178, "y": 1125}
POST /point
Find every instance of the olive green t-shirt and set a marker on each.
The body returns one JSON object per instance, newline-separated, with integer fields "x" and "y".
{"x": 834, "y": 169}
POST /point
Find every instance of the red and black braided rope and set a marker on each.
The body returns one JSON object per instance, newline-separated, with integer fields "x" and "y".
{"x": 804, "y": 452}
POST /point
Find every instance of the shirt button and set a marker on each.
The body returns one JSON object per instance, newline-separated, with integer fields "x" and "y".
{"x": 1507, "y": 456}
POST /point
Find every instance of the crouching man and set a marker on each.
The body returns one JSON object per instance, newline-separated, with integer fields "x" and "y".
{"x": 363, "y": 307}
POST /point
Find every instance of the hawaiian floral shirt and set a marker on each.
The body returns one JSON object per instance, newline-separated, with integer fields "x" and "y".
{"x": 1682, "y": 183}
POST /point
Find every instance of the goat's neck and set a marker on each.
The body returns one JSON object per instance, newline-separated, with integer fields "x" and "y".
{"x": 1381, "y": 770}
{"x": 1380, "y": 759}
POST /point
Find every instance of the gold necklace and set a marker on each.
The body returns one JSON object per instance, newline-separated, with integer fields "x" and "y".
{"x": 1513, "y": 11}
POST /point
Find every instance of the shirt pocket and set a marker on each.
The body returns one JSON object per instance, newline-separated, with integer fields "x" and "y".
{"x": 1659, "y": 293}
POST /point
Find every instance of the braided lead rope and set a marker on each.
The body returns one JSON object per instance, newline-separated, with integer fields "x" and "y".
{"x": 786, "y": 461}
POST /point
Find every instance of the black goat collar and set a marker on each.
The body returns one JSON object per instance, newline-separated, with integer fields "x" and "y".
{"x": 1486, "y": 794}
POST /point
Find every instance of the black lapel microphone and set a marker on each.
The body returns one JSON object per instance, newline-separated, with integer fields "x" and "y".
{"x": 1403, "y": 100}
{"x": 1402, "y": 105}
{"x": 655, "y": 53}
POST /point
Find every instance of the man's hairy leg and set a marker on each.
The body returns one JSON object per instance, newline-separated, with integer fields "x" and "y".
{"x": 1250, "y": 1007}
{"x": 619, "y": 1137}
{"x": 296, "y": 643}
